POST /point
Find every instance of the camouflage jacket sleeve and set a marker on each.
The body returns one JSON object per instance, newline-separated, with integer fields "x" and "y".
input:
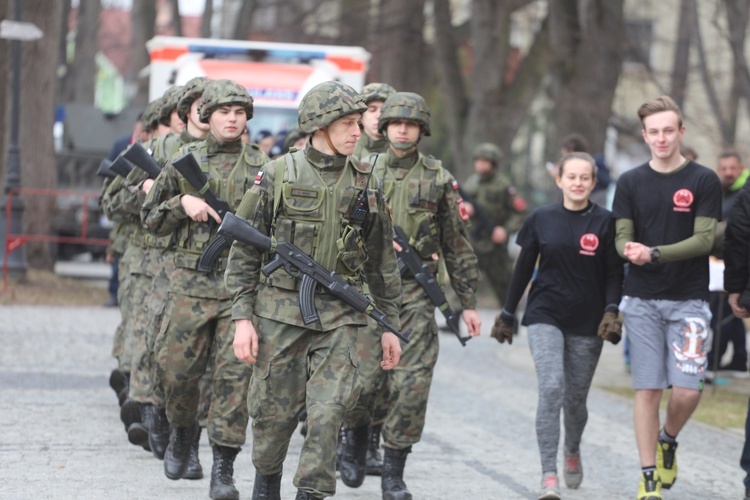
{"x": 161, "y": 211}
{"x": 242, "y": 274}
{"x": 460, "y": 260}
{"x": 517, "y": 209}
{"x": 381, "y": 268}
{"x": 129, "y": 198}
{"x": 110, "y": 201}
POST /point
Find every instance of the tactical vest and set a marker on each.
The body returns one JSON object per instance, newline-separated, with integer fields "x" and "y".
{"x": 415, "y": 203}
{"x": 325, "y": 222}
{"x": 192, "y": 237}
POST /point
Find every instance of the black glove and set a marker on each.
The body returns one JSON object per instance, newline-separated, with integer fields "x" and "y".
{"x": 504, "y": 328}
{"x": 610, "y": 328}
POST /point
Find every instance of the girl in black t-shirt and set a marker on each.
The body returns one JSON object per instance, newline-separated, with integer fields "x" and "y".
{"x": 572, "y": 306}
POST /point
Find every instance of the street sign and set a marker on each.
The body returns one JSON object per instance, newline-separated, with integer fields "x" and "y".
{"x": 16, "y": 30}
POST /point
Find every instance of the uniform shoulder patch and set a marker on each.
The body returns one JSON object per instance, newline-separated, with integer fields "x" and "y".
{"x": 258, "y": 178}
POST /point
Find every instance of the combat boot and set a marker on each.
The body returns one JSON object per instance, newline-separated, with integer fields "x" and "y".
{"x": 177, "y": 456}
{"x": 158, "y": 432}
{"x": 117, "y": 381}
{"x": 392, "y": 479}
{"x": 353, "y": 460}
{"x": 267, "y": 487}
{"x": 194, "y": 469}
{"x": 130, "y": 413}
{"x": 138, "y": 431}
{"x": 374, "y": 460}
{"x": 340, "y": 446}
{"x": 122, "y": 396}
{"x": 303, "y": 495}
{"x": 222, "y": 483}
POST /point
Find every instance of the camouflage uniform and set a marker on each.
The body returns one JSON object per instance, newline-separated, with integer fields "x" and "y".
{"x": 197, "y": 314}
{"x": 497, "y": 197}
{"x": 366, "y": 145}
{"x": 425, "y": 203}
{"x": 305, "y": 197}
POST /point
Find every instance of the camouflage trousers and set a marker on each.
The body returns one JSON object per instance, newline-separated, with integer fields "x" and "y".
{"x": 141, "y": 379}
{"x": 123, "y": 344}
{"x": 497, "y": 268}
{"x": 192, "y": 330}
{"x": 409, "y": 382}
{"x": 372, "y": 405}
{"x": 298, "y": 368}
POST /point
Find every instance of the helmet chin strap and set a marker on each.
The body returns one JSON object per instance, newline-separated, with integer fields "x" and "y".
{"x": 330, "y": 144}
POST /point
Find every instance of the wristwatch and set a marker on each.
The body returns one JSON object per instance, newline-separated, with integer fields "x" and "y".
{"x": 655, "y": 255}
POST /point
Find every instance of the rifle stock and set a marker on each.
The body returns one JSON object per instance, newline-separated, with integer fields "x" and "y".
{"x": 408, "y": 259}
{"x": 141, "y": 159}
{"x": 105, "y": 169}
{"x": 121, "y": 166}
{"x": 305, "y": 268}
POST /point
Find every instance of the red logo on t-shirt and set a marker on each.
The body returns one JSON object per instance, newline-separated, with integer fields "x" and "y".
{"x": 683, "y": 199}
{"x": 589, "y": 244}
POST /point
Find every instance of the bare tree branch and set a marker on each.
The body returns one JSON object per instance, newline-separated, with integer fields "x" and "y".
{"x": 176, "y": 17}
{"x": 681, "y": 64}
{"x": 208, "y": 14}
{"x": 244, "y": 25}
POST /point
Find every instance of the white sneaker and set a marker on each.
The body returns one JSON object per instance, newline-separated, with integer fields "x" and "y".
{"x": 550, "y": 487}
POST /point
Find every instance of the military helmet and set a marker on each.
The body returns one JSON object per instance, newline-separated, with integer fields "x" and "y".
{"x": 150, "y": 116}
{"x": 377, "y": 92}
{"x": 169, "y": 102}
{"x": 222, "y": 93}
{"x": 192, "y": 90}
{"x": 405, "y": 106}
{"x": 325, "y": 103}
{"x": 291, "y": 137}
{"x": 490, "y": 152}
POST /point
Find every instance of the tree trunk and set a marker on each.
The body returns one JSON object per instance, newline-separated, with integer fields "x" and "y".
{"x": 5, "y": 13}
{"x": 208, "y": 12}
{"x": 586, "y": 38}
{"x": 400, "y": 45}
{"x": 38, "y": 96}
{"x": 143, "y": 17}
{"x": 80, "y": 79}
{"x": 450, "y": 78}
{"x": 244, "y": 26}
{"x": 176, "y": 17}
{"x": 354, "y": 22}
{"x": 681, "y": 64}
{"x": 737, "y": 16}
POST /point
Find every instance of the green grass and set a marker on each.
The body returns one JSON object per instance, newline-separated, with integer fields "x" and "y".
{"x": 722, "y": 408}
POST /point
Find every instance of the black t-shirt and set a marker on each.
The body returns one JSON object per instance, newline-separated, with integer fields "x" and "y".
{"x": 663, "y": 208}
{"x": 579, "y": 270}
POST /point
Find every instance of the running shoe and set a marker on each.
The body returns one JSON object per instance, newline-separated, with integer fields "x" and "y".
{"x": 550, "y": 487}
{"x": 650, "y": 489}
{"x": 666, "y": 463}
{"x": 573, "y": 472}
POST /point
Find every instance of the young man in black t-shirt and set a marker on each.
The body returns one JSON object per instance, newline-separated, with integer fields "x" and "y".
{"x": 666, "y": 212}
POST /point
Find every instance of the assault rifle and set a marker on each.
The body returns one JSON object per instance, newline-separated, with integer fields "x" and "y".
{"x": 141, "y": 159}
{"x": 305, "y": 268}
{"x": 105, "y": 169}
{"x": 409, "y": 260}
{"x": 191, "y": 171}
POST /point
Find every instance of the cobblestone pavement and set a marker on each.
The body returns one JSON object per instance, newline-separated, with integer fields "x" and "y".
{"x": 61, "y": 437}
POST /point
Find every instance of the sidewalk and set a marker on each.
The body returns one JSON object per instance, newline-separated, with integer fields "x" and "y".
{"x": 62, "y": 438}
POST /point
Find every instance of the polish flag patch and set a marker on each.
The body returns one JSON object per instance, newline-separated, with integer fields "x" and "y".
{"x": 258, "y": 178}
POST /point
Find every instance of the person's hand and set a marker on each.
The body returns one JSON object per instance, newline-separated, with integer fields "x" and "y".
{"x": 504, "y": 328}
{"x": 499, "y": 235}
{"x": 391, "y": 350}
{"x": 470, "y": 211}
{"x": 197, "y": 209}
{"x": 738, "y": 310}
{"x": 637, "y": 253}
{"x": 245, "y": 341}
{"x": 146, "y": 186}
{"x": 610, "y": 328}
{"x": 472, "y": 321}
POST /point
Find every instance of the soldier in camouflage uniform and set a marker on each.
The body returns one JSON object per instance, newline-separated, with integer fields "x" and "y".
{"x": 197, "y": 314}
{"x": 151, "y": 430}
{"x": 308, "y": 198}
{"x": 496, "y": 210}
{"x": 372, "y": 141}
{"x": 125, "y": 226}
{"x": 423, "y": 197}
{"x": 169, "y": 120}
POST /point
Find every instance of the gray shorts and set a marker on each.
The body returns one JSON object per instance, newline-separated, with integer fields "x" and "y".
{"x": 669, "y": 341}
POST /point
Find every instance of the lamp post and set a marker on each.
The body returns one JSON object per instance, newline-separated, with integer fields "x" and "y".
{"x": 17, "y": 32}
